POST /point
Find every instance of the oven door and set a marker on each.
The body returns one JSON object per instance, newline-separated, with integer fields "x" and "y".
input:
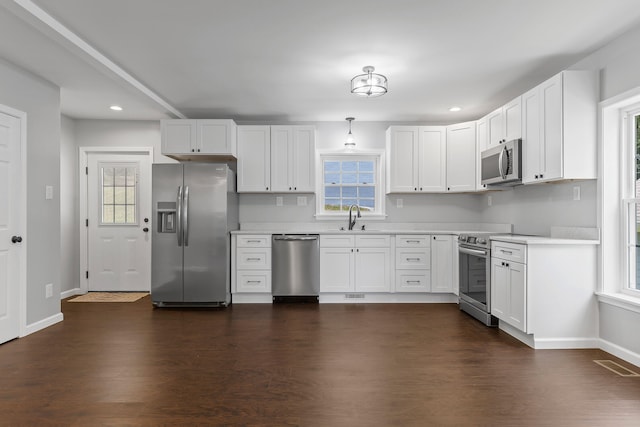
{"x": 475, "y": 277}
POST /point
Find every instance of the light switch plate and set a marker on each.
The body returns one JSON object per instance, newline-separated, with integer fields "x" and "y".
{"x": 576, "y": 192}
{"x": 399, "y": 203}
{"x": 302, "y": 200}
{"x": 48, "y": 192}
{"x": 279, "y": 201}
{"x": 489, "y": 200}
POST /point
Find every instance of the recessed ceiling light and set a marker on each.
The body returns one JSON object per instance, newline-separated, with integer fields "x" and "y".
{"x": 116, "y": 108}
{"x": 455, "y": 109}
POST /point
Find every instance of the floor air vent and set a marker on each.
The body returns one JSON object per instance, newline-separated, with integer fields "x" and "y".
{"x": 617, "y": 368}
{"x": 354, "y": 296}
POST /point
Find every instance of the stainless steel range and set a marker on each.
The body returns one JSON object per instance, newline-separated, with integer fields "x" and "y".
{"x": 474, "y": 255}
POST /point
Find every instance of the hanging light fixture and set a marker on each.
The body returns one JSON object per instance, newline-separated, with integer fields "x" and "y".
{"x": 350, "y": 143}
{"x": 369, "y": 84}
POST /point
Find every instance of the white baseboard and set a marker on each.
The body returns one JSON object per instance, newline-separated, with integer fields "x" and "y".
{"x": 565, "y": 343}
{"x": 382, "y": 298}
{"x": 252, "y": 299}
{"x": 621, "y": 352}
{"x": 70, "y": 293}
{"x": 44, "y": 323}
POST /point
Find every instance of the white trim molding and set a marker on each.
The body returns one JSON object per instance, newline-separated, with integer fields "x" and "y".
{"x": 620, "y": 300}
{"x": 621, "y": 352}
{"x": 42, "y": 324}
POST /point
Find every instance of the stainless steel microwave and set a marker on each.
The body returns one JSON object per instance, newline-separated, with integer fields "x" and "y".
{"x": 502, "y": 165}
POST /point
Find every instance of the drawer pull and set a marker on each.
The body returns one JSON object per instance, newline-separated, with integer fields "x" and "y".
{"x": 253, "y": 241}
{"x": 413, "y": 259}
{"x": 413, "y": 281}
{"x": 254, "y": 281}
{"x": 506, "y": 252}
{"x": 253, "y": 259}
{"x": 413, "y": 241}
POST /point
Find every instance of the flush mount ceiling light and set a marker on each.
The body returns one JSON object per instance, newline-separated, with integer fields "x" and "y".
{"x": 455, "y": 109}
{"x": 369, "y": 84}
{"x": 116, "y": 108}
{"x": 350, "y": 143}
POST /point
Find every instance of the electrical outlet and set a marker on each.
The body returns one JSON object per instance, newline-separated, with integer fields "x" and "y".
{"x": 399, "y": 203}
{"x": 48, "y": 192}
{"x": 48, "y": 290}
{"x": 489, "y": 200}
{"x": 302, "y": 200}
{"x": 576, "y": 192}
{"x": 279, "y": 201}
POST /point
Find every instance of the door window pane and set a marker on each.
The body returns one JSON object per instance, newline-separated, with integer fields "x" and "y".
{"x": 118, "y": 183}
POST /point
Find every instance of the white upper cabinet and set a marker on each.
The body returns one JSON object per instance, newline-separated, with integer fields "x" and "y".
{"x": 416, "y": 157}
{"x": 277, "y": 159}
{"x": 254, "y": 159}
{"x": 482, "y": 134}
{"x": 505, "y": 123}
{"x": 461, "y": 157}
{"x": 559, "y": 129}
{"x": 293, "y": 159}
{"x": 196, "y": 139}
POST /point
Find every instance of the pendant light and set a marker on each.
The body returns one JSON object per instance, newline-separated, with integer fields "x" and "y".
{"x": 350, "y": 143}
{"x": 369, "y": 84}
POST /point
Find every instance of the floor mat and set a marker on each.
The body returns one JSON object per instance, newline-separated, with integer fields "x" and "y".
{"x": 110, "y": 297}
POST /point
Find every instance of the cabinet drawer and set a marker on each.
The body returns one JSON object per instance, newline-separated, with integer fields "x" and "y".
{"x": 337, "y": 241}
{"x": 408, "y": 241}
{"x": 413, "y": 281}
{"x": 253, "y": 259}
{"x": 253, "y": 281}
{"x": 254, "y": 241}
{"x": 373, "y": 241}
{"x": 509, "y": 251}
{"x": 407, "y": 258}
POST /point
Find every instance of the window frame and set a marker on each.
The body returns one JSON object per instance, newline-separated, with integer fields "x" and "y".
{"x": 630, "y": 200}
{"x": 136, "y": 204}
{"x": 378, "y": 156}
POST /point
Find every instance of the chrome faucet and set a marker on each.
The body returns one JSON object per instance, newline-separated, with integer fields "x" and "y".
{"x": 352, "y": 219}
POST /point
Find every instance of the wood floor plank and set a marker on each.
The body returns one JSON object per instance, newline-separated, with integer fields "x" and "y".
{"x": 300, "y": 365}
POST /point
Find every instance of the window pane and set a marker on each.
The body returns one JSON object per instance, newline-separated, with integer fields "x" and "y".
{"x": 119, "y": 195}
{"x": 365, "y": 166}
{"x": 120, "y": 178}
{"x": 120, "y": 214}
{"x": 107, "y": 214}
{"x": 349, "y": 166}
{"x": 332, "y": 166}
{"x": 107, "y": 176}
{"x": 366, "y": 192}
{"x": 349, "y": 202}
{"x": 107, "y": 195}
{"x": 131, "y": 214}
{"x": 349, "y": 191}
{"x": 331, "y": 192}
{"x": 366, "y": 178}
{"x": 349, "y": 178}
{"x": 332, "y": 178}
{"x": 131, "y": 195}
{"x": 367, "y": 204}
{"x": 131, "y": 177}
{"x": 332, "y": 204}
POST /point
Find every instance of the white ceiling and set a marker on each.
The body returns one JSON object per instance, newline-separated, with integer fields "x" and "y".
{"x": 292, "y": 60}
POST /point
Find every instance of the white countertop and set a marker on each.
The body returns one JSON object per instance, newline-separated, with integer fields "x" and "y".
{"x": 540, "y": 240}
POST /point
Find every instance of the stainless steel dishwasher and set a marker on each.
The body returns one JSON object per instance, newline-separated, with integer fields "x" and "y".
{"x": 295, "y": 267}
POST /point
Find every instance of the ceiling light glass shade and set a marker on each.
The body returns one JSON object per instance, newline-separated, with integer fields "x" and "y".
{"x": 350, "y": 142}
{"x": 369, "y": 84}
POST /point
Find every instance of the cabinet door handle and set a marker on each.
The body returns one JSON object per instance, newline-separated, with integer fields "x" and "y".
{"x": 351, "y": 250}
{"x": 289, "y": 188}
{"x": 541, "y": 176}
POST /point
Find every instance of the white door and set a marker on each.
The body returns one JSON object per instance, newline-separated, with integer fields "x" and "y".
{"x": 119, "y": 222}
{"x": 10, "y": 222}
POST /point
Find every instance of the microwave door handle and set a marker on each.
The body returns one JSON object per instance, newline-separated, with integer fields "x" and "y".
{"x": 500, "y": 163}
{"x": 508, "y": 169}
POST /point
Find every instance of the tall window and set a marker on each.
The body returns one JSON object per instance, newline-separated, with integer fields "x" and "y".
{"x": 350, "y": 179}
{"x": 632, "y": 202}
{"x": 118, "y": 201}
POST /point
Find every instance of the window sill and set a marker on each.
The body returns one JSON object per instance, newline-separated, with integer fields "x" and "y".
{"x": 343, "y": 216}
{"x": 620, "y": 300}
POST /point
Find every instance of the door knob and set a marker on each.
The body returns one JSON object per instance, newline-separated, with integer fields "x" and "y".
{"x": 16, "y": 239}
{"x": 146, "y": 220}
{"x": 146, "y": 230}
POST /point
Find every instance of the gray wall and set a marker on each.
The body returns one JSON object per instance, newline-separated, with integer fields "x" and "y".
{"x": 40, "y": 100}
{"x": 69, "y": 247}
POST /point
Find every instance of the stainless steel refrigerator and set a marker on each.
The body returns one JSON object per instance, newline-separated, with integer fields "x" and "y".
{"x": 195, "y": 206}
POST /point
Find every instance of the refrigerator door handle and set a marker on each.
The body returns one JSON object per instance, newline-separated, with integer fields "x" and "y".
{"x": 186, "y": 215}
{"x": 179, "y": 219}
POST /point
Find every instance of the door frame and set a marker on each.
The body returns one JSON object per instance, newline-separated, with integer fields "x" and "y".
{"x": 22, "y": 214}
{"x": 83, "y": 197}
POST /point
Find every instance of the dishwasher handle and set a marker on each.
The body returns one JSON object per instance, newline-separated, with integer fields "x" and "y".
{"x": 295, "y": 238}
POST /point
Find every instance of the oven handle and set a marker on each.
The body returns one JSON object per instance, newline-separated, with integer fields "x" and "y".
{"x": 469, "y": 251}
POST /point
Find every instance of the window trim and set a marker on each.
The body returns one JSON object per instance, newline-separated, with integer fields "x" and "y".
{"x": 628, "y": 195}
{"x": 378, "y": 156}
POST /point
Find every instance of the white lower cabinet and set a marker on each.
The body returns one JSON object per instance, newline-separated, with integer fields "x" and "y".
{"x": 355, "y": 263}
{"x": 444, "y": 254}
{"x": 251, "y": 272}
{"x": 413, "y": 263}
{"x": 508, "y": 292}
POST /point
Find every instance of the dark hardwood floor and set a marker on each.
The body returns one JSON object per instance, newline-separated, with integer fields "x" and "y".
{"x": 311, "y": 365}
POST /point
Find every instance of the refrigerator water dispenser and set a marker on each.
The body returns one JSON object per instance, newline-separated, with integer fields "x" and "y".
{"x": 166, "y": 217}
